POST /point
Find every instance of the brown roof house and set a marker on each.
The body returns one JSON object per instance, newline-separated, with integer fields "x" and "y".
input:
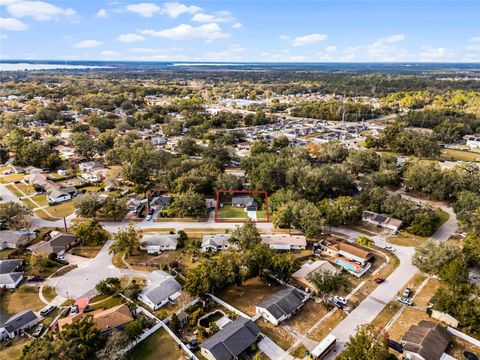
{"x": 59, "y": 243}
{"x": 300, "y": 277}
{"x": 426, "y": 341}
{"x": 350, "y": 257}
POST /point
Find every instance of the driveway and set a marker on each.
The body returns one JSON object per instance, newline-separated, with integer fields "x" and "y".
{"x": 272, "y": 350}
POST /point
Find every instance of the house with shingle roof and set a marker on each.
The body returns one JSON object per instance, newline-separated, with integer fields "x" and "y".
{"x": 165, "y": 289}
{"x": 157, "y": 242}
{"x": 230, "y": 342}
{"x": 215, "y": 242}
{"x": 10, "y": 278}
{"x": 301, "y": 276}
{"x": 17, "y": 324}
{"x": 13, "y": 239}
{"x": 426, "y": 341}
{"x": 113, "y": 318}
{"x": 284, "y": 241}
{"x": 281, "y": 305}
{"x": 59, "y": 243}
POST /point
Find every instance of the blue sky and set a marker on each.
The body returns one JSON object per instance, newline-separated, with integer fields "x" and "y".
{"x": 241, "y": 30}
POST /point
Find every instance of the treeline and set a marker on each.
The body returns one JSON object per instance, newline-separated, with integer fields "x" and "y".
{"x": 335, "y": 110}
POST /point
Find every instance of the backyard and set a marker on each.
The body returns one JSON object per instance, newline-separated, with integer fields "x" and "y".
{"x": 22, "y": 298}
{"x": 159, "y": 345}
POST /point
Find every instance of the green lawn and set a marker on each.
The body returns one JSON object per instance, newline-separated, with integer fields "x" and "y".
{"x": 62, "y": 209}
{"x": 26, "y": 188}
{"x": 40, "y": 199}
{"x": 28, "y": 203}
{"x": 459, "y": 155}
{"x": 22, "y": 298}
{"x": 14, "y": 190}
{"x": 230, "y": 212}
{"x": 159, "y": 345}
{"x": 13, "y": 177}
{"x": 442, "y": 215}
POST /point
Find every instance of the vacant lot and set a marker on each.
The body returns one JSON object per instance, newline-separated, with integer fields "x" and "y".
{"x": 423, "y": 297}
{"x": 327, "y": 326}
{"x": 22, "y": 298}
{"x": 14, "y": 190}
{"x": 159, "y": 345}
{"x": 276, "y": 333}
{"x": 248, "y": 295}
{"x": 308, "y": 316}
{"x": 88, "y": 251}
{"x": 409, "y": 317}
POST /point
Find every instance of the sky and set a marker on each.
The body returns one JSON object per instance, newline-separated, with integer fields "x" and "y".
{"x": 241, "y": 30}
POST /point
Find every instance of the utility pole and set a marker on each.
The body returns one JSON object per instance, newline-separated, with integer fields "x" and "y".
{"x": 65, "y": 224}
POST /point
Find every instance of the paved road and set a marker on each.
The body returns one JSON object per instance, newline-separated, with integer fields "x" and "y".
{"x": 382, "y": 295}
{"x": 272, "y": 350}
{"x": 83, "y": 279}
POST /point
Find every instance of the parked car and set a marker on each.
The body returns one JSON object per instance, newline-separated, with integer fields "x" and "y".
{"x": 47, "y": 310}
{"x": 336, "y": 303}
{"x": 149, "y": 217}
{"x": 74, "y": 310}
{"x": 340, "y": 300}
{"x": 61, "y": 257}
{"x": 390, "y": 248}
{"x": 404, "y": 301}
{"x": 407, "y": 292}
{"x": 35, "y": 278}
{"x": 395, "y": 345}
{"x": 7, "y": 172}
{"x": 38, "y": 330}
{"x": 379, "y": 280}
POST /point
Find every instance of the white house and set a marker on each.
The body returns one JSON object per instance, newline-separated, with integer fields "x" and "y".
{"x": 13, "y": 239}
{"x": 285, "y": 241}
{"x": 10, "y": 277}
{"x": 58, "y": 195}
{"x": 215, "y": 242}
{"x": 18, "y": 323}
{"x": 156, "y": 242}
{"x": 473, "y": 142}
{"x": 281, "y": 305}
{"x": 302, "y": 275}
{"x": 163, "y": 290}
{"x": 381, "y": 220}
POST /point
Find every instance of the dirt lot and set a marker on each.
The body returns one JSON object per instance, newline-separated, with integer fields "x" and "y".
{"x": 251, "y": 292}
{"x": 310, "y": 313}
{"x": 277, "y": 334}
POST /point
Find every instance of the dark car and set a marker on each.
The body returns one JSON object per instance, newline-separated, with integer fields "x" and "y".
{"x": 395, "y": 345}
{"x": 35, "y": 278}
{"x": 379, "y": 280}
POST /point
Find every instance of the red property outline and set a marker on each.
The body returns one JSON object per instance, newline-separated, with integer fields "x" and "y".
{"x": 241, "y": 192}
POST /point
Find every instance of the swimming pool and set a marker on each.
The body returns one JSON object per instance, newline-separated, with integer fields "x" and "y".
{"x": 346, "y": 265}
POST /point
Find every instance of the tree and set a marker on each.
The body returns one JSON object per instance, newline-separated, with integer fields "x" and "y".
{"x": 455, "y": 272}
{"x": 424, "y": 224}
{"x": 182, "y": 238}
{"x": 113, "y": 208}
{"x": 471, "y": 248}
{"x": 113, "y": 349}
{"x": 432, "y": 256}
{"x": 109, "y": 286}
{"x": 85, "y": 145}
{"x": 174, "y": 323}
{"x": 15, "y": 215}
{"x": 134, "y": 329}
{"x": 132, "y": 291}
{"x": 42, "y": 348}
{"x": 3, "y": 155}
{"x": 126, "y": 239}
{"x": 90, "y": 232}
{"x": 228, "y": 182}
{"x": 141, "y": 162}
{"x": 189, "y": 203}
{"x": 88, "y": 205}
{"x": 368, "y": 343}
{"x": 328, "y": 282}
{"x": 365, "y": 241}
{"x": 246, "y": 236}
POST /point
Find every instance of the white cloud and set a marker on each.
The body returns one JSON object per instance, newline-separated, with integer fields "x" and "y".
{"x": 12, "y": 24}
{"x": 386, "y": 49}
{"x": 144, "y": 51}
{"x": 87, "y": 44}
{"x": 38, "y": 10}
{"x": 110, "y": 53}
{"x": 330, "y": 48}
{"x": 217, "y": 17}
{"x": 305, "y": 39}
{"x": 128, "y": 38}
{"x": 175, "y": 9}
{"x": 208, "y": 32}
{"x": 144, "y": 9}
{"x": 102, "y": 13}
{"x": 237, "y": 25}
{"x": 430, "y": 53}
{"x": 475, "y": 39}
{"x": 3, "y": 36}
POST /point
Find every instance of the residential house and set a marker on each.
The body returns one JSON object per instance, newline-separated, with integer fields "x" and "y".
{"x": 105, "y": 320}
{"x": 165, "y": 289}
{"x": 134, "y": 203}
{"x": 59, "y": 243}
{"x": 10, "y": 277}
{"x": 350, "y": 257}
{"x": 12, "y": 239}
{"x": 473, "y": 141}
{"x": 215, "y": 242}
{"x": 285, "y": 241}
{"x": 230, "y": 342}
{"x": 17, "y": 324}
{"x": 426, "y": 341}
{"x": 381, "y": 220}
{"x": 156, "y": 242}
{"x": 90, "y": 166}
{"x": 244, "y": 201}
{"x": 160, "y": 202}
{"x": 57, "y": 195}
{"x": 300, "y": 277}
{"x": 281, "y": 305}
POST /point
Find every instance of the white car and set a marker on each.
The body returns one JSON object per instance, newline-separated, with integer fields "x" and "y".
{"x": 390, "y": 248}
{"x": 404, "y": 301}
{"x": 7, "y": 172}
{"x": 340, "y": 300}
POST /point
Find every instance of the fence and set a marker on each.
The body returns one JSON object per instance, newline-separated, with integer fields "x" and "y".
{"x": 463, "y": 336}
{"x": 228, "y": 306}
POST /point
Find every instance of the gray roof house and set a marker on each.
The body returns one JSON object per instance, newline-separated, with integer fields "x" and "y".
{"x": 162, "y": 291}
{"x": 13, "y": 239}
{"x": 9, "y": 277}
{"x": 236, "y": 337}
{"x": 156, "y": 242}
{"x": 16, "y": 324}
{"x": 244, "y": 201}
{"x": 426, "y": 341}
{"x": 58, "y": 244}
{"x": 281, "y": 305}
{"x": 215, "y": 242}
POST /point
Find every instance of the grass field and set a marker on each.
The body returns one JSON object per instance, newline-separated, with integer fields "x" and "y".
{"x": 406, "y": 239}
{"x": 14, "y": 190}
{"x": 26, "y": 188}
{"x": 22, "y": 298}
{"x": 250, "y": 293}
{"x": 14, "y": 351}
{"x": 386, "y": 314}
{"x": 49, "y": 293}
{"x": 276, "y": 333}
{"x": 43, "y": 215}
{"x": 40, "y": 199}
{"x": 459, "y": 155}
{"x": 230, "y": 212}
{"x": 159, "y": 345}
{"x": 87, "y": 251}
{"x": 409, "y": 317}
{"x": 61, "y": 210}
{"x": 426, "y": 294}
{"x": 28, "y": 203}
{"x": 310, "y": 313}
{"x": 12, "y": 178}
